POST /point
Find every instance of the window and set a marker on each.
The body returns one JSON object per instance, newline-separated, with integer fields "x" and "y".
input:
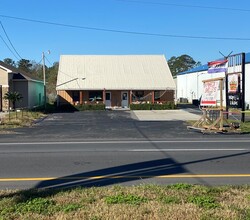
{"x": 95, "y": 96}
{"x": 139, "y": 95}
{"x": 157, "y": 95}
{"x": 76, "y": 96}
{"x": 108, "y": 96}
{"x": 124, "y": 96}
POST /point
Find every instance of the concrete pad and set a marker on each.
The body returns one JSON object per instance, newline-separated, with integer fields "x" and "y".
{"x": 164, "y": 115}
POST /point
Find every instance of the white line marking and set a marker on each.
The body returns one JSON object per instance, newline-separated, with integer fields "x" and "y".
{"x": 126, "y": 142}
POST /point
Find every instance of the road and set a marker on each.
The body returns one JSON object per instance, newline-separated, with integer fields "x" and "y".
{"x": 100, "y": 149}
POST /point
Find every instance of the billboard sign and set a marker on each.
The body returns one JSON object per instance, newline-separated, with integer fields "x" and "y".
{"x": 209, "y": 95}
{"x": 217, "y": 66}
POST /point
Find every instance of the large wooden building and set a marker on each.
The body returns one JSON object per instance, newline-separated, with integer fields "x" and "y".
{"x": 115, "y": 80}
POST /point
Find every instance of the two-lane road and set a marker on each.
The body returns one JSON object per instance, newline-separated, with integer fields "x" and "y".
{"x": 211, "y": 160}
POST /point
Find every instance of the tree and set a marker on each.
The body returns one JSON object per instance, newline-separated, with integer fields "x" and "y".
{"x": 24, "y": 65}
{"x": 13, "y": 97}
{"x": 181, "y": 64}
{"x": 9, "y": 61}
{"x": 51, "y": 77}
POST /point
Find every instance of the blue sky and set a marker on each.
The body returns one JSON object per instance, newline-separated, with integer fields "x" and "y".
{"x": 210, "y": 19}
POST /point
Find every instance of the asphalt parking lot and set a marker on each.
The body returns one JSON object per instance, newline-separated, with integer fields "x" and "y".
{"x": 107, "y": 125}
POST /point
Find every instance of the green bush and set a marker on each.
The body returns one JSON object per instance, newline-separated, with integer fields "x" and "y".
{"x": 140, "y": 106}
{"x": 90, "y": 107}
{"x": 155, "y": 106}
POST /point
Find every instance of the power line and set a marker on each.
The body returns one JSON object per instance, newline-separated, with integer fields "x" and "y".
{"x": 187, "y": 6}
{"x": 8, "y": 47}
{"x": 10, "y": 40}
{"x": 127, "y": 32}
{"x": 48, "y": 61}
{"x": 58, "y": 68}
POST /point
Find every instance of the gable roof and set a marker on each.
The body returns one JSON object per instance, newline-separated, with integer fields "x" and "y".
{"x": 205, "y": 67}
{"x": 114, "y": 72}
{"x": 19, "y": 73}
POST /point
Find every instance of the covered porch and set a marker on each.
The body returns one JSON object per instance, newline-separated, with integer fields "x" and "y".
{"x": 114, "y": 98}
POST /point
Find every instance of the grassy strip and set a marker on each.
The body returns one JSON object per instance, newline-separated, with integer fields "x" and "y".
{"x": 178, "y": 201}
{"x": 244, "y": 126}
{"x": 19, "y": 119}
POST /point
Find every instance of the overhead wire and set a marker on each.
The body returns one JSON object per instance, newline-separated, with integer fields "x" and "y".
{"x": 9, "y": 40}
{"x": 183, "y": 5}
{"x": 58, "y": 68}
{"x": 8, "y": 47}
{"x": 126, "y": 32}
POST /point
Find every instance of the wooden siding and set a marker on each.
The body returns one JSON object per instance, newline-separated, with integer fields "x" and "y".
{"x": 66, "y": 97}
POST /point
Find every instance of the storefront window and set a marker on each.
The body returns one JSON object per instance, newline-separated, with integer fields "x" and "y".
{"x": 95, "y": 96}
{"x": 76, "y": 96}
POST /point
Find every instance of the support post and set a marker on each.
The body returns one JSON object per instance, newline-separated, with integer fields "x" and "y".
{"x": 130, "y": 97}
{"x": 104, "y": 96}
{"x": 243, "y": 88}
{"x": 81, "y": 97}
{"x": 221, "y": 104}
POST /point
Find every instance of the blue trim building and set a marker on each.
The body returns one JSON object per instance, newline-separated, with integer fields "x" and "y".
{"x": 189, "y": 83}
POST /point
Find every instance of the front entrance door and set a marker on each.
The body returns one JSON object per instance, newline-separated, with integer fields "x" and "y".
{"x": 124, "y": 99}
{"x": 108, "y": 99}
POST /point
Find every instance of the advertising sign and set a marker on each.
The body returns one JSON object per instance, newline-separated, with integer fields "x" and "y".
{"x": 233, "y": 83}
{"x": 233, "y": 92}
{"x": 234, "y": 100}
{"x": 209, "y": 95}
{"x": 217, "y": 66}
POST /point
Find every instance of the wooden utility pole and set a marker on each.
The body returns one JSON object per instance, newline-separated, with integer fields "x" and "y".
{"x": 44, "y": 80}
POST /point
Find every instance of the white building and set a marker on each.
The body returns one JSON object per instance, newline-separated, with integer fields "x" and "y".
{"x": 190, "y": 85}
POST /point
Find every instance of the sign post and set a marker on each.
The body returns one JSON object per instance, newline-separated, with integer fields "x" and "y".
{"x": 235, "y": 83}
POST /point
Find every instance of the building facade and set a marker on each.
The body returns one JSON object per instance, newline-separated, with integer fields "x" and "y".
{"x": 190, "y": 83}
{"x": 14, "y": 80}
{"x": 115, "y": 80}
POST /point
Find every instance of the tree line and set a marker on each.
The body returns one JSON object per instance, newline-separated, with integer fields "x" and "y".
{"x": 182, "y": 64}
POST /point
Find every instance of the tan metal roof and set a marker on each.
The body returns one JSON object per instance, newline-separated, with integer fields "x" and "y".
{"x": 114, "y": 72}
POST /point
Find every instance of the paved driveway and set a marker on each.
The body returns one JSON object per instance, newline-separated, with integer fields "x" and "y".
{"x": 167, "y": 115}
{"x": 107, "y": 125}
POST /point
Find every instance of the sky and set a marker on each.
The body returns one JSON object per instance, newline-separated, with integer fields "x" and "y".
{"x": 200, "y": 29}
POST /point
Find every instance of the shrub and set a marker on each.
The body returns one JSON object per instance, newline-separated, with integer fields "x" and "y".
{"x": 144, "y": 106}
{"x": 155, "y": 106}
{"x": 90, "y": 107}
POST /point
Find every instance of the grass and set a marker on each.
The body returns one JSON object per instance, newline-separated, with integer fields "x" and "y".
{"x": 244, "y": 126}
{"x": 19, "y": 119}
{"x": 178, "y": 201}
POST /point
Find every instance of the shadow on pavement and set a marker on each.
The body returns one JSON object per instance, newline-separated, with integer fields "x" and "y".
{"x": 110, "y": 176}
{"x": 125, "y": 173}
{"x": 116, "y": 175}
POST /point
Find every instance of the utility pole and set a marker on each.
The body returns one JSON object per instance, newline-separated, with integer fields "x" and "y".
{"x": 44, "y": 80}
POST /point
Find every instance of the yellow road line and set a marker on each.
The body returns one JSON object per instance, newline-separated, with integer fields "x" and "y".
{"x": 122, "y": 177}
